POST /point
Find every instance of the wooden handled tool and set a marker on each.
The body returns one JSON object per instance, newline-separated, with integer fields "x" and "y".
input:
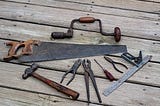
{"x": 107, "y": 73}
{"x": 67, "y": 91}
{"x": 69, "y": 34}
{"x": 27, "y": 48}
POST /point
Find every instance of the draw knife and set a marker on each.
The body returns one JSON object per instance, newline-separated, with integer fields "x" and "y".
{"x": 126, "y": 76}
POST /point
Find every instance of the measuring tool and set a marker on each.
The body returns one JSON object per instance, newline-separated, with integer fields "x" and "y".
{"x": 127, "y": 75}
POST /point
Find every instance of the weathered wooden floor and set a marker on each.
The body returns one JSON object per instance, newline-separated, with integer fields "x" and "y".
{"x": 139, "y": 21}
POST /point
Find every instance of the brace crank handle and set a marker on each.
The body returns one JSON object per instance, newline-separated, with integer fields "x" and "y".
{"x": 67, "y": 91}
{"x": 109, "y": 75}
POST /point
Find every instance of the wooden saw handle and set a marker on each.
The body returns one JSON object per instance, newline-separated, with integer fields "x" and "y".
{"x": 27, "y": 48}
{"x": 13, "y": 49}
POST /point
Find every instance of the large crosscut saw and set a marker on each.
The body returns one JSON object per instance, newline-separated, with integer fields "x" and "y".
{"x": 35, "y": 51}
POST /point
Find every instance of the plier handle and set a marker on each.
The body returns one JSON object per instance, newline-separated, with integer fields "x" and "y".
{"x": 89, "y": 73}
{"x": 114, "y": 62}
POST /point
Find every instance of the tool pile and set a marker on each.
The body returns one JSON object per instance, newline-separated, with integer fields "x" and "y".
{"x": 37, "y": 51}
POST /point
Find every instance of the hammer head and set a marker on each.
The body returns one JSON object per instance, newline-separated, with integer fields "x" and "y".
{"x": 28, "y": 71}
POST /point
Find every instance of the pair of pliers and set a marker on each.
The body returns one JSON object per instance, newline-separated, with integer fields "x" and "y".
{"x": 89, "y": 73}
{"x": 114, "y": 62}
{"x": 72, "y": 70}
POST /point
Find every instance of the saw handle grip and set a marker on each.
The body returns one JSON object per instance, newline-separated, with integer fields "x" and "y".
{"x": 67, "y": 91}
{"x": 27, "y": 48}
{"x": 12, "y": 51}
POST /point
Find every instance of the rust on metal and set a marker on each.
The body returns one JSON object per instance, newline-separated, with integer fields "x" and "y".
{"x": 69, "y": 34}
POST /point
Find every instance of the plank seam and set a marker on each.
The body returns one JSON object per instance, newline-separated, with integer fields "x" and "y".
{"x": 110, "y": 7}
{"x": 36, "y": 92}
{"x": 83, "y": 4}
{"x": 149, "y": 1}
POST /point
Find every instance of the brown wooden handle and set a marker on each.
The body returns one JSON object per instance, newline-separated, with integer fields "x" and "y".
{"x": 86, "y": 20}
{"x": 109, "y": 75}
{"x": 67, "y": 91}
{"x": 27, "y": 48}
{"x": 13, "y": 49}
{"x": 117, "y": 34}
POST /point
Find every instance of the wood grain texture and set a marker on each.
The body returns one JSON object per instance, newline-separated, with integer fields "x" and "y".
{"x": 12, "y": 78}
{"x": 11, "y": 97}
{"x": 131, "y": 5}
{"x": 46, "y": 15}
{"x": 93, "y": 8}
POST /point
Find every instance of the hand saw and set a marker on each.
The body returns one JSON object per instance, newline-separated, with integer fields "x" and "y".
{"x": 35, "y": 51}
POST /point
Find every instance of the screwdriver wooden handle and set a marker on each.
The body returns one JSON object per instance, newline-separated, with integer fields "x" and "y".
{"x": 109, "y": 75}
{"x": 69, "y": 92}
{"x": 87, "y": 20}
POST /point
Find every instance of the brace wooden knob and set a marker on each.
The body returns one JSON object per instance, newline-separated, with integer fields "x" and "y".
{"x": 86, "y": 20}
{"x": 117, "y": 34}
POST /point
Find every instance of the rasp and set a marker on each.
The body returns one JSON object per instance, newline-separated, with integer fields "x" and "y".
{"x": 35, "y": 51}
{"x": 127, "y": 75}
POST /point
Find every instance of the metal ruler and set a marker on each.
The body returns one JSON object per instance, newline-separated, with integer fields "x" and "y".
{"x": 127, "y": 75}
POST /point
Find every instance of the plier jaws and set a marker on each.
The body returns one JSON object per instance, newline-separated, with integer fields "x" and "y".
{"x": 72, "y": 70}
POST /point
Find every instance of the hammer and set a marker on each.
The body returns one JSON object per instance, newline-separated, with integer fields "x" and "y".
{"x": 67, "y": 91}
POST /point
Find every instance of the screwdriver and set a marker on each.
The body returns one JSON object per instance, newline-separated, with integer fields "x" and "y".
{"x": 108, "y": 74}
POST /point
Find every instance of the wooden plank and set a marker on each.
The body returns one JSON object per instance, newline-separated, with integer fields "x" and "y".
{"x": 76, "y": 6}
{"x": 134, "y": 5}
{"x": 25, "y": 31}
{"x": 46, "y": 15}
{"x": 11, "y": 97}
{"x": 11, "y": 77}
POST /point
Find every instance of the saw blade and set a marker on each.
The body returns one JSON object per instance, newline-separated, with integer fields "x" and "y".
{"x": 57, "y": 51}
{"x": 127, "y": 75}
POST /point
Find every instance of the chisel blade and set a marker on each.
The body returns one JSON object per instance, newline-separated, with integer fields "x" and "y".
{"x": 56, "y": 51}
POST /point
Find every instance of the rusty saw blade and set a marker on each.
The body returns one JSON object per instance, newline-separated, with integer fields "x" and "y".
{"x": 46, "y": 51}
